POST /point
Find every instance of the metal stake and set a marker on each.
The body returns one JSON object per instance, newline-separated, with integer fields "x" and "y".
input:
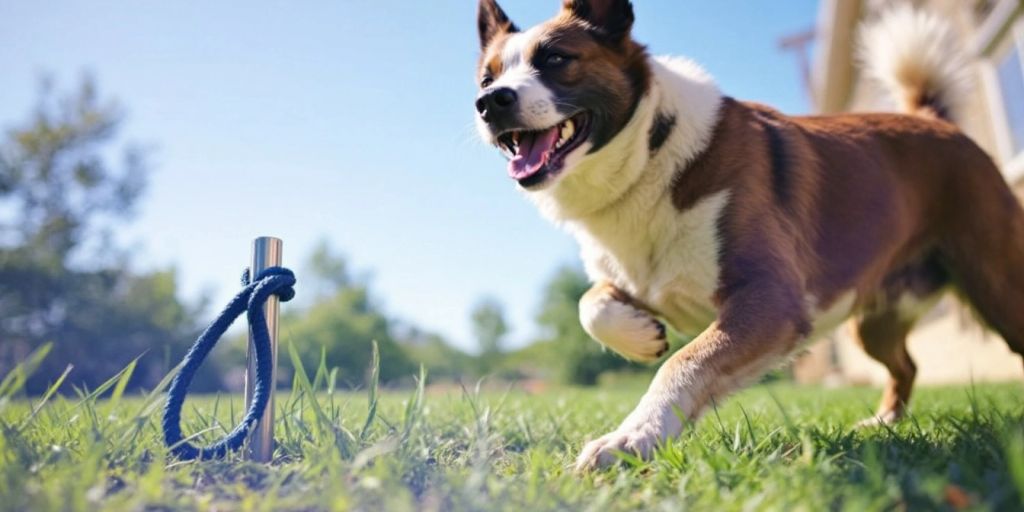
{"x": 266, "y": 253}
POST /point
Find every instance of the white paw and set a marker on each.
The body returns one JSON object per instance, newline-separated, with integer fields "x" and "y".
{"x": 607, "y": 450}
{"x": 633, "y": 333}
{"x": 883, "y": 418}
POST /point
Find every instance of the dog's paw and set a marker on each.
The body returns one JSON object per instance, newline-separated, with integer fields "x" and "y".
{"x": 606, "y": 450}
{"x": 890, "y": 417}
{"x": 631, "y": 332}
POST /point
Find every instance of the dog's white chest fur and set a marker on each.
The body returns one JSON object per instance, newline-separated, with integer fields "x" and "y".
{"x": 618, "y": 203}
{"x": 663, "y": 257}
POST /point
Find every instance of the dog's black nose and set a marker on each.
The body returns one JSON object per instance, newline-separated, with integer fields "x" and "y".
{"x": 496, "y": 101}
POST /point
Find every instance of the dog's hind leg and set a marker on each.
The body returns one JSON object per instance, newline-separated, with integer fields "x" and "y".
{"x": 992, "y": 281}
{"x": 985, "y": 250}
{"x": 882, "y": 327}
{"x": 883, "y": 336}
{"x": 613, "y": 318}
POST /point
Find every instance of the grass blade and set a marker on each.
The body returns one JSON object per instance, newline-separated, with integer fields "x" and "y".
{"x": 117, "y": 379}
{"x": 414, "y": 409}
{"x": 122, "y": 384}
{"x": 15, "y": 380}
{"x": 306, "y": 387}
{"x": 372, "y": 391}
{"x": 46, "y": 397}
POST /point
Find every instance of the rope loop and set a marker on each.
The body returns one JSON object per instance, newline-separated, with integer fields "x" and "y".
{"x": 277, "y": 281}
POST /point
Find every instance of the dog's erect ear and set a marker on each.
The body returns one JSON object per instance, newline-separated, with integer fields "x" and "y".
{"x": 613, "y": 18}
{"x": 491, "y": 20}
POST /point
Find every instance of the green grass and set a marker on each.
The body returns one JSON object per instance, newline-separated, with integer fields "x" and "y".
{"x": 778, "y": 448}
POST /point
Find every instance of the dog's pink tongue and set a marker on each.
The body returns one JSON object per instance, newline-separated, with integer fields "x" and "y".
{"x": 530, "y": 157}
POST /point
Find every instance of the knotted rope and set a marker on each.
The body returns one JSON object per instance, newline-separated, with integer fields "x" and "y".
{"x": 272, "y": 281}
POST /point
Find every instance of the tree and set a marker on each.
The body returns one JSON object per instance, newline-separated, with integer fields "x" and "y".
{"x": 342, "y": 324}
{"x": 443, "y": 361}
{"x": 55, "y": 181}
{"x": 489, "y": 329}
{"x": 578, "y": 359}
{"x": 63, "y": 279}
{"x": 329, "y": 272}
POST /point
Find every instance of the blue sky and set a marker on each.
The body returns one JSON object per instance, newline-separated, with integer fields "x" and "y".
{"x": 349, "y": 121}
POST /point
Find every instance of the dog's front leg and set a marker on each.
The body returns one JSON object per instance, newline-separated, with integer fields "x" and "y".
{"x": 617, "y": 321}
{"x": 752, "y": 334}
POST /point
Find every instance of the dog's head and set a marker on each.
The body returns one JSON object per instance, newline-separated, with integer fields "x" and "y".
{"x": 560, "y": 91}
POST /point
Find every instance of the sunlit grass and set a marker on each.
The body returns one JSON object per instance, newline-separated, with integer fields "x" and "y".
{"x": 777, "y": 447}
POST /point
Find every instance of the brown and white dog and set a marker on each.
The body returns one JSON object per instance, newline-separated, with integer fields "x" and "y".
{"x": 752, "y": 230}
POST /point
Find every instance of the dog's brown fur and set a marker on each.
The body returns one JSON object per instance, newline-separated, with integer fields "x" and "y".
{"x": 885, "y": 205}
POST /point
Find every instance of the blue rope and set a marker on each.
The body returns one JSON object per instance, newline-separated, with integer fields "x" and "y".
{"x": 272, "y": 281}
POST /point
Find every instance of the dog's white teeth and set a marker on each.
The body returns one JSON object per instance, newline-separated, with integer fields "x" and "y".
{"x": 567, "y": 132}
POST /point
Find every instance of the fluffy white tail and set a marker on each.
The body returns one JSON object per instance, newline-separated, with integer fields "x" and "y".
{"x": 917, "y": 57}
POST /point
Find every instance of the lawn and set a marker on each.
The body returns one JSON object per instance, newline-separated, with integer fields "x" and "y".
{"x": 777, "y": 447}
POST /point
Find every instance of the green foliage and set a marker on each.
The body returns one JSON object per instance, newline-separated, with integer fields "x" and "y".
{"x": 343, "y": 322}
{"x": 489, "y": 329}
{"x": 344, "y": 327}
{"x": 441, "y": 359}
{"x": 56, "y": 182}
{"x": 329, "y": 272}
{"x": 770, "y": 448}
{"x": 575, "y": 357}
{"x": 63, "y": 282}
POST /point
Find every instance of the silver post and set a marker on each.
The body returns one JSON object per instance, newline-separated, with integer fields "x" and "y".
{"x": 266, "y": 253}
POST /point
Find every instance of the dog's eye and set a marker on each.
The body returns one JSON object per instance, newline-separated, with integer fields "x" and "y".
{"x": 486, "y": 82}
{"x": 555, "y": 59}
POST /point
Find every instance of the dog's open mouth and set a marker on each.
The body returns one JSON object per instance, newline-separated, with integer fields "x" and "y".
{"x": 536, "y": 155}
